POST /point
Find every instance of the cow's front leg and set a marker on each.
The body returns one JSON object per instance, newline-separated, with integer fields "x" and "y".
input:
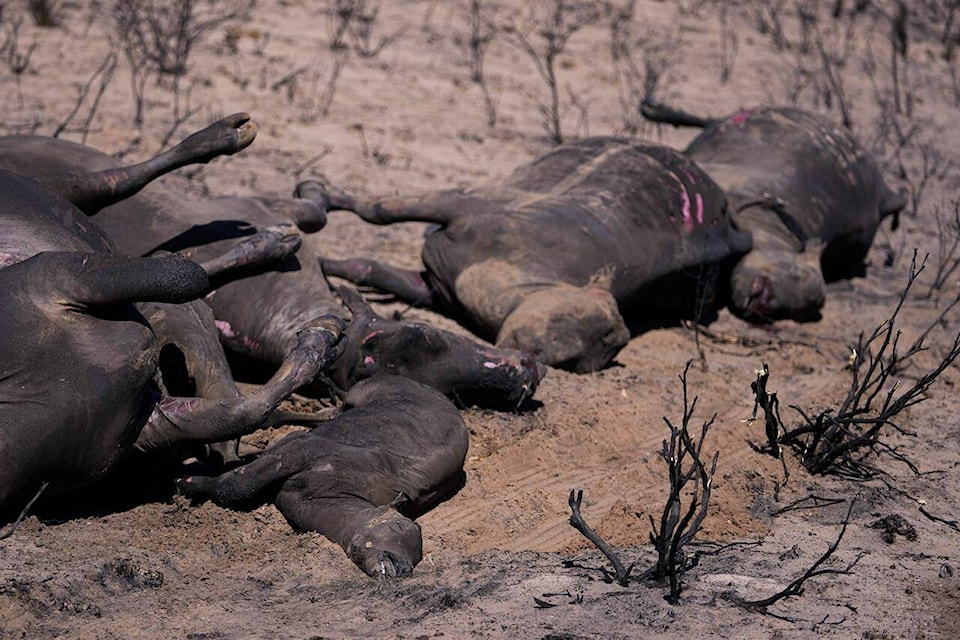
{"x": 242, "y": 486}
{"x": 199, "y": 420}
{"x": 439, "y": 207}
{"x": 269, "y": 245}
{"x": 407, "y": 285}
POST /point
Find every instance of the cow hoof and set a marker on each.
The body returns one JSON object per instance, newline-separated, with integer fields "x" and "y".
{"x": 309, "y": 216}
{"x": 318, "y": 190}
{"x": 242, "y": 128}
{"x": 319, "y": 343}
{"x": 271, "y": 244}
{"x": 192, "y": 487}
{"x": 224, "y": 137}
{"x": 320, "y": 333}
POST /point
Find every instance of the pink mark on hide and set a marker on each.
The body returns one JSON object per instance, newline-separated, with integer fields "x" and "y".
{"x": 225, "y": 328}
{"x": 741, "y": 116}
{"x": 699, "y": 199}
{"x": 496, "y": 360}
{"x": 369, "y": 360}
{"x": 370, "y": 335}
{"x": 250, "y": 343}
{"x": 687, "y": 217}
{"x": 7, "y": 259}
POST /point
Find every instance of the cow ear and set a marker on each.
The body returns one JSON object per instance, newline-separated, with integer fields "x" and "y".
{"x": 812, "y": 251}
{"x": 355, "y": 303}
{"x": 603, "y": 278}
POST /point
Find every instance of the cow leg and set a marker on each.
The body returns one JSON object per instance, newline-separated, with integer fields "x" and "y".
{"x": 100, "y": 279}
{"x": 93, "y": 191}
{"x": 308, "y": 217}
{"x": 269, "y": 245}
{"x": 440, "y": 207}
{"x": 240, "y": 486}
{"x": 194, "y": 420}
{"x": 663, "y": 114}
{"x": 406, "y": 284}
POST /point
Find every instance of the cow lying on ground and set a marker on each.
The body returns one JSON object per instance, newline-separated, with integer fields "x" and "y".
{"x": 547, "y": 260}
{"x": 811, "y": 196}
{"x": 396, "y": 450}
{"x": 258, "y": 316}
{"x": 77, "y": 357}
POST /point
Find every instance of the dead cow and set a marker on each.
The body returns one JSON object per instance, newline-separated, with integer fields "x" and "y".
{"x": 258, "y": 317}
{"x": 811, "y": 196}
{"x": 78, "y": 358}
{"x": 546, "y": 261}
{"x": 396, "y": 450}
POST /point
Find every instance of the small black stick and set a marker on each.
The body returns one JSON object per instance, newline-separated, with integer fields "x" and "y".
{"x": 950, "y": 523}
{"x": 621, "y": 575}
{"x": 23, "y": 514}
{"x": 795, "y": 588}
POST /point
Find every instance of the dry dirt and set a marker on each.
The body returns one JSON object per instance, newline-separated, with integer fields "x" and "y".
{"x": 147, "y": 564}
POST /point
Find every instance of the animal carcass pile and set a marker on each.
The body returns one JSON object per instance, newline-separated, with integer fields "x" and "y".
{"x": 122, "y": 298}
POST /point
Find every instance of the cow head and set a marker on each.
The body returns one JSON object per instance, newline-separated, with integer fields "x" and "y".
{"x": 454, "y": 365}
{"x": 775, "y": 285}
{"x": 575, "y": 328}
{"x": 390, "y": 545}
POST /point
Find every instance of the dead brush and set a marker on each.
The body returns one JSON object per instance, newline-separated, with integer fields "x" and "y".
{"x": 948, "y": 247}
{"x": 15, "y": 57}
{"x": 543, "y": 36}
{"x": 841, "y": 440}
{"x": 482, "y": 31}
{"x": 357, "y": 20}
{"x": 689, "y": 479}
{"x": 46, "y": 13}
{"x": 642, "y": 62}
{"x": 157, "y": 39}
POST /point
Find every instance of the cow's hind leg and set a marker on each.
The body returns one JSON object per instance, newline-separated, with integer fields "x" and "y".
{"x": 663, "y": 114}
{"x": 439, "y": 207}
{"x": 406, "y": 284}
{"x": 93, "y": 191}
{"x": 267, "y": 246}
{"x": 199, "y": 420}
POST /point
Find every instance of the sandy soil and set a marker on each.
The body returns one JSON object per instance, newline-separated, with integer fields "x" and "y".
{"x": 500, "y": 557}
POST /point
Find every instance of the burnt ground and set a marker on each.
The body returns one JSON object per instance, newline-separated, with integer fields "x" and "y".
{"x": 133, "y": 559}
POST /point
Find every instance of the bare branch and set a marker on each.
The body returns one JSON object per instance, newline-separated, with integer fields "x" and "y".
{"x": 621, "y": 573}
{"x": 795, "y": 588}
{"x": 676, "y": 530}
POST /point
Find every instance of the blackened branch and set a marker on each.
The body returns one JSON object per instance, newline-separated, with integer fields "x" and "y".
{"x": 795, "y": 588}
{"x": 621, "y": 574}
{"x": 677, "y": 530}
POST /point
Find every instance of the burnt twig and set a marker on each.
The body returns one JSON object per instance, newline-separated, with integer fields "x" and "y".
{"x": 678, "y": 528}
{"x": 23, "y": 514}
{"x": 795, "y": 588}
{"x": 831, "y": 441}
{"x": 767, "y": 401}
{"x": 809, "y": 502}
{"x": 621, "y": 573}
{"x": 105, "y": 73}
{"x": 953, "y": 524}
